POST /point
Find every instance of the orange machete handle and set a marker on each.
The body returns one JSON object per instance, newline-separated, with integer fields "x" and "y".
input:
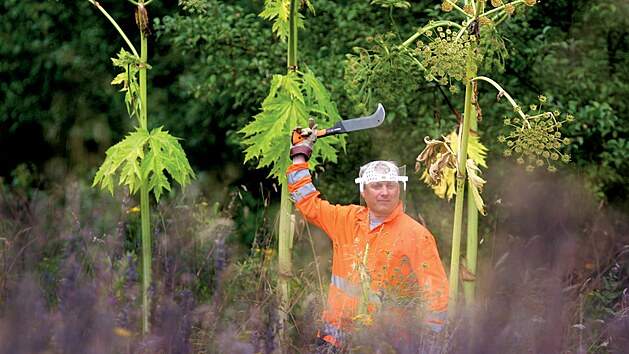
{"x": 297, "y": 138}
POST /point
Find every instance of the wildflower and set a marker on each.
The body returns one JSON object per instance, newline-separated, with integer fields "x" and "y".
{"x": 135, "y": 209}
{"x": 565, "y": 158}
{"x": 123, "y": 332}
{"x": 485, "y": 21}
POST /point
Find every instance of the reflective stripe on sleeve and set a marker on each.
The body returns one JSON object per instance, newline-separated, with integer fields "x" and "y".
{"x": 297, "y": 175}
{"x": 303, "y": 192}
{"x": 352, "y": 290}
{"x": 337, "y": 334}
{"x": 437, "y": 321}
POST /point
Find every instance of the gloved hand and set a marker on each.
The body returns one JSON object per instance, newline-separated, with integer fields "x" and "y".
{"x": 303, "y": 140}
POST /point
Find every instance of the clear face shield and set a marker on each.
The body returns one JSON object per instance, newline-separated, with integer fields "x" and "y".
{"x": 383, "y": 171}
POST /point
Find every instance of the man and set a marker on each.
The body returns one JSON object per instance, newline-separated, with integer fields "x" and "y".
{"x": 381, "y": 256}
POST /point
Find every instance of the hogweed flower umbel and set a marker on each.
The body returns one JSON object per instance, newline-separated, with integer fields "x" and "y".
{"x": 535, "y": 138}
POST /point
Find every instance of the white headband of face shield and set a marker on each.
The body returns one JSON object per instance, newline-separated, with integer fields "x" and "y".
{"x": 379, "y": 171}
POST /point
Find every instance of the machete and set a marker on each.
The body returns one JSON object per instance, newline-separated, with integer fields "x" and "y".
{"x": 349, "y": 125}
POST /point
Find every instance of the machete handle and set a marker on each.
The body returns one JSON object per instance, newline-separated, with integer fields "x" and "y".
{"x": 297, "y": 138}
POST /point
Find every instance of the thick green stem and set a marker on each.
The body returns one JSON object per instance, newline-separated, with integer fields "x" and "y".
{"x": 460, "y": 186}
{"x": 286, "y": 223}
{"x": 292, "y": 36}
{"x": 144, "y": 191}
{"x": 285, "y": 264}
{"x": 458, "y": 206}
{"x": 146, "y": 253}
{"x": 471, "y": 253}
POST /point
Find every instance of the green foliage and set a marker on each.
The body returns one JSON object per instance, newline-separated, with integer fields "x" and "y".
{"x": 582, "y": 64}
{"x": 384, "y": 73}
{"x": 278, "y": 12}
{"x": 292, "y": 99}
{"x": 392, "y": 3}
{"x": 145, "y": 156}
{"x": 129, "y": 79}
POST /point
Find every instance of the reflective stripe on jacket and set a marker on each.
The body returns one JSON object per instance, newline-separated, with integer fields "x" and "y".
{"x": 402, "y": 260}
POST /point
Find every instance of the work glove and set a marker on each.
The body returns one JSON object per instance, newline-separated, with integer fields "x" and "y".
{"x": 303, "y": 139}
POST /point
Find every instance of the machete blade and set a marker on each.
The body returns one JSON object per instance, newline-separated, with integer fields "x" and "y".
{"x": 348, "y": 125}
{"x": 355, "y": 124}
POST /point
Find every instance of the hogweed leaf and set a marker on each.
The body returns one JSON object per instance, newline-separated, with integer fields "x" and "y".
{"x": 145, "y": 156}
{"x": 291, "y": 85}
{"x": 440, "y": 160}
{"x": 476, "y": 184}
{"x": 125, "y": 155}
{"x": 437, "y": 156}
{"x": 291, "y": 101}
{"x": 165, "y": 154}
{"x": 278, "y": 11}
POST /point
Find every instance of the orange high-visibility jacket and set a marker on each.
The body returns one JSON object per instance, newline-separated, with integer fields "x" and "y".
{"x": 401, "y": 260}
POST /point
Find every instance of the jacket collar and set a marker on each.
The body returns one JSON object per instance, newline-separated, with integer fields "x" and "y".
{"x": 364, "y": 214}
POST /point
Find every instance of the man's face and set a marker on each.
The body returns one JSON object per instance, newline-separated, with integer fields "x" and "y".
{"x": 381, "y": 197}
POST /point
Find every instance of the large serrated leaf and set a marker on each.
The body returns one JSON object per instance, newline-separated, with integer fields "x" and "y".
{"x": 292, "y": 100}
{"x": 165, "y": 154}
{"x": 143, "y": 156}
{"x": 278, "y": 11}
{"x": 125, "y": 155}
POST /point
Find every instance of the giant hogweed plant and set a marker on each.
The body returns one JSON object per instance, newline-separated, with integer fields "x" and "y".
{"x": 142, "y": 159}
{"x": 292, "y": 99}
{"x": 450, "y": 53}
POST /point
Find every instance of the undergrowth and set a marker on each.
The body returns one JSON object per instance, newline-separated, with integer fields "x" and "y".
{"x": 555, "y": 278}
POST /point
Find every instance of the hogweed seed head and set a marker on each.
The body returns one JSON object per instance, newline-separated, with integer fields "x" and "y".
{"x": 535, "y": 138}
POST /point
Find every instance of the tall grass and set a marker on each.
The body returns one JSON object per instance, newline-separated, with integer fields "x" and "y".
{"x": 554, "y": 268}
